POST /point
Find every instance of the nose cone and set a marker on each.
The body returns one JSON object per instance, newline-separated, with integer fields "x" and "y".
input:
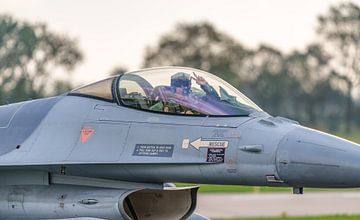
{"x": 309, "y": 158}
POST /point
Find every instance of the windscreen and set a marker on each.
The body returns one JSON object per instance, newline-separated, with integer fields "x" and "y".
{"x": 183, "y": 91}
{"x": 101, "y": 89}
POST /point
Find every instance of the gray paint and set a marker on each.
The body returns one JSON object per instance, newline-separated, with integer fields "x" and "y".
{"x": 21, "y": 123}
{"x": 109, "y": 153}
{"x": 47, "y": 202}
{"x": 62, "y": 201}
{"x": 315, "y": 159}
{"x": 59, "y": 133}
{"x": 7, "y": 112}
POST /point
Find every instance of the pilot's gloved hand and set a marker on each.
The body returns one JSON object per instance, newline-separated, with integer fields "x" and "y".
{"x": 199, "y": 80}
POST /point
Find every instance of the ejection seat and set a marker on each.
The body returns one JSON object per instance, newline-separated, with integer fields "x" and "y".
{"x": 159, "y": 93}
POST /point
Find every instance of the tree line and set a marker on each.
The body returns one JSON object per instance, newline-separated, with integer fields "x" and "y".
{"x": 29, "y": 55}
{"x": 318, "y": 86}
{"x": 315, "y": 86}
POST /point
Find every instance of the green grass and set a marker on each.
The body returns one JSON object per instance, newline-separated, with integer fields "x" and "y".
{"x": 354, "y": 136}
{"x": 337, "y": 217}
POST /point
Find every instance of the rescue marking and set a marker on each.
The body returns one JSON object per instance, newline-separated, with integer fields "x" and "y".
{"x": 198, "y": 143}
{"x": 86, "y": 134}
{"x": 154, "y": 150}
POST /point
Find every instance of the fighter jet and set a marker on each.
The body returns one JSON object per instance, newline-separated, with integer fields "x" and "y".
{"x": 111, "y": 149}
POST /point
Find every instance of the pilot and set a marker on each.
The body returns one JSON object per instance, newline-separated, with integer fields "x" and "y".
{"x": 181, "y": 87}
{"x": 181, "y": 84}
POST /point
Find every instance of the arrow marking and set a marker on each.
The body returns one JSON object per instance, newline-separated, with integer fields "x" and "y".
{"x": 198, "y": 143}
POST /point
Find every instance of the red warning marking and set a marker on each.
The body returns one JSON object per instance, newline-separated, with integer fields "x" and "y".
{"x": 86, "y": 134}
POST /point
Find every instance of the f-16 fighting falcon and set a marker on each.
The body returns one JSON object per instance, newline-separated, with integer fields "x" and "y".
{"x": 111, "y": 149}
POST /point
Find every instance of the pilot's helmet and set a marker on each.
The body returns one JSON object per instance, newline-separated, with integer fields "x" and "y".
{"x": 181, "y": 79}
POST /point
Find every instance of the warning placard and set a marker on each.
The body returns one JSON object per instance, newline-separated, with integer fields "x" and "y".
{"x": 215, "y": 155}
{"x": 154, "y": 150}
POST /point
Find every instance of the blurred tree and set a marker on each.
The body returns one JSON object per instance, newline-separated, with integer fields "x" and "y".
{"x": 270, "y": 84}
{"x": 311, "y": 70}
{"x": 28, "y": 54}
{"x": 201, "y": 46}
{"x": 118, "y": 70}
{"x": 306, "y": 68}
{"x": 61, "y": 86}
{"x": 340, "y": 27}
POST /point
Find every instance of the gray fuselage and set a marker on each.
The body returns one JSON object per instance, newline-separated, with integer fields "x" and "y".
{"x": 133, "y": 145}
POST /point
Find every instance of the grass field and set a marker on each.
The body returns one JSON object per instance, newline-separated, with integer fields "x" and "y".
{"x": 340, "y": 217}
{"x": 354, "y": 136}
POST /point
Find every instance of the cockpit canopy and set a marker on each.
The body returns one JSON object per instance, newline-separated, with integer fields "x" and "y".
{"x": 101, "y": 89}
{"x": 173, "y": 90}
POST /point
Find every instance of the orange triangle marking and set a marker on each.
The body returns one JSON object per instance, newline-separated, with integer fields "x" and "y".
{"x": 86, "y": 134}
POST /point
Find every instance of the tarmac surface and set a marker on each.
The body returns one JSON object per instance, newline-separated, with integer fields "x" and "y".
{"x": 278, "y": 204}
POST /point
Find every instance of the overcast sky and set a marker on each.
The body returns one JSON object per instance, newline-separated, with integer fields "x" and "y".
{"x": 112, "y": 33}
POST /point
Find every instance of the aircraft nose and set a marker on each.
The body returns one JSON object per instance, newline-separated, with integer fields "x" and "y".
{"x": 309, "y": 158}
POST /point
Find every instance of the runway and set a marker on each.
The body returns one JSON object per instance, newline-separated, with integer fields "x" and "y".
{"x": 278, "y": 204}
